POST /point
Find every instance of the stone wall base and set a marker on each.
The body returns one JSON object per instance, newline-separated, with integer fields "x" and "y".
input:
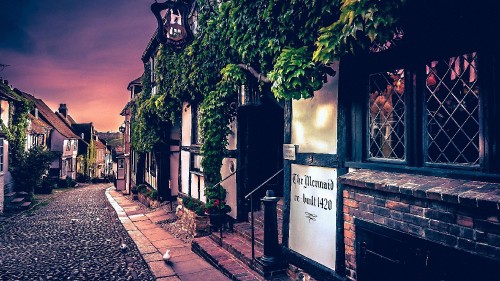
{"x": 196, "y": 225}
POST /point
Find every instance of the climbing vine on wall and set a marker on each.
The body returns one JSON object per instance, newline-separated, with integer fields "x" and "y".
{"x": 286, "y": 43}
{"x": 17, "y": 129}
{"x": 361, "y": 23}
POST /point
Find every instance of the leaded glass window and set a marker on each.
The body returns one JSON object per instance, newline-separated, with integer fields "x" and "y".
{"x": 452, "y": 109}
{"x": 387, "y": 115}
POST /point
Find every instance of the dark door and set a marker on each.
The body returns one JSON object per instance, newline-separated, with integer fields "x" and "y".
{"x": 261, "y": 132}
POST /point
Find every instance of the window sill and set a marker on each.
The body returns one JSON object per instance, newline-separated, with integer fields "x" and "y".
{"x": 469, "y": 193}
{"x": 197, "y": 173}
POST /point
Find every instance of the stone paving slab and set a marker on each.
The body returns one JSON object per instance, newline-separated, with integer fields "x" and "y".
{"x": 152, "y": 241}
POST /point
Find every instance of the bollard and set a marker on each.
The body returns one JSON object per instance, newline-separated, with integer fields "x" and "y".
{"x": 272, "y": 250}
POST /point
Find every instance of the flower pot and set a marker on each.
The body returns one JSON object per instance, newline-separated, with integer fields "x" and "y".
{"x": 216, "y": 221}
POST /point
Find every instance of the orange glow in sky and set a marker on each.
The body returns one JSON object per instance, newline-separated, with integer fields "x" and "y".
{"x": 81, "y": 53}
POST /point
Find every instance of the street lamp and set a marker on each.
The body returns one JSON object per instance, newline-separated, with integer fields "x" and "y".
{"x": 122, "y": 129}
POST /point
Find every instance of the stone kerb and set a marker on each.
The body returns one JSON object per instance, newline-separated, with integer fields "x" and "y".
{"x": 196, "y": 225}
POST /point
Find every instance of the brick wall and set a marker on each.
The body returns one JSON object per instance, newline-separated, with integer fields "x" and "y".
{"x": 464, "y": 224}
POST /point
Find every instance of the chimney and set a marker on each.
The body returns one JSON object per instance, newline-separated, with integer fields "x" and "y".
{"x": 63, "y": 110}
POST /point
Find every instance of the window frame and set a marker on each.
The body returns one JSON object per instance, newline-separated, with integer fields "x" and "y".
{"x": 415, "y": 102}
{"x": 2, "y": 155}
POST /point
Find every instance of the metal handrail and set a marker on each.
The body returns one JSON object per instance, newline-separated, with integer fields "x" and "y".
{"x": 262, "y": 184}
{"x": 251, "y": 209}
{"x": 220, "y": 211}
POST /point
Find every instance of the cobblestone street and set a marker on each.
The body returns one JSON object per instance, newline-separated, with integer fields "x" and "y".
{"x": 76, "y": 236}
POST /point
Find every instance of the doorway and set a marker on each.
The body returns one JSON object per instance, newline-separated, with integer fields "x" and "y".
{"x": 260, "y": 145}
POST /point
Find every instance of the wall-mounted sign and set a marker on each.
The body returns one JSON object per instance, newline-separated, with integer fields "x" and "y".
{"x": 173, "y": 28}
{"x": 289, "y": 151}
{"x": 313, "y": 213}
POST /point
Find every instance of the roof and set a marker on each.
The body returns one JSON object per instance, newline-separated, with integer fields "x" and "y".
{"x": 38, "y": 126}
{"x": 50, "y": 117}
{"x": 128, "y": 105}
{"x": 6, "y": 93}
{"x": 151, "y": 47}
{"x": 99, "y": 144}
{"x": 85, "y": 128}
{"x": 70, "y": 119}
{"x": 135, "y": 82}
{"x": 64, "y": 119}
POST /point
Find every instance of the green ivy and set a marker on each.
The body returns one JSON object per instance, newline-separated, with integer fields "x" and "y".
{"x": 290, "y": 43}
{"x": 218, "y": 109}
{"x": 361, "y": 23}
{"x": 292, "y": 68}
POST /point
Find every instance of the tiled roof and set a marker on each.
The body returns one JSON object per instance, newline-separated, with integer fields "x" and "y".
{"x": 129, "y": 104}
{"x": 6, "y": 93}
{"x": 50, "y": 117}
{"x": 137, "y": 81}
{"x": 100, "y": 145}
{"x": 64, "y": 119}
{"x": 38, "y": 126}
{"x": 151, "y": 47}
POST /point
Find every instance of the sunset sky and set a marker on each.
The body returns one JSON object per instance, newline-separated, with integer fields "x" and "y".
{"x": 79, "y": 52}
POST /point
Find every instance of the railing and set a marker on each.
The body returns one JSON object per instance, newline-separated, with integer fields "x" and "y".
{"x": 249, "y": 195}
{"x": 220, "y": 200}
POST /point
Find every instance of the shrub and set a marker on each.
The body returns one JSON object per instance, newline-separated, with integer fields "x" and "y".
{"x": 194, "y": 205}
{"x": 46, "y": 187}
{"x": 82, "y": 178}
{"x": 70, "y": 182}
{"x": 153, "y": 194}
{"x": 30, "y": 167}
{"x": 62, "y": 183}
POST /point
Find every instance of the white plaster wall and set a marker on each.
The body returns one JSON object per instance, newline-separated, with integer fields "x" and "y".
{"x": 314, "y": 120}
{"x": 186, "y": 124}
{"x": 8, "y": 184}
{"x": 232, "y": 139}
{"x": 194, "y": 186}
{"x": 4, "y": 111}
{"x": 230, "y": 184}
{"x": 185, "y": 172}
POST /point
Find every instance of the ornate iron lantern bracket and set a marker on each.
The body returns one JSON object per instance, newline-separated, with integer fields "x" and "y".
{"x": 173, "y": 29}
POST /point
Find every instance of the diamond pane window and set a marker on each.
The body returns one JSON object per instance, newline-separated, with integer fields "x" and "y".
{"x": 387, "y": 115}
{"x": 452, "y": 103}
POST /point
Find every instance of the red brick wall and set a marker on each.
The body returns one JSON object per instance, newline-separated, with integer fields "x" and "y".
{"x": 469, "y": 228}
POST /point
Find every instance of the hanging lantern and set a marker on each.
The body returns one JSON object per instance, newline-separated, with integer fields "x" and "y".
{"x": 248, "y": 94}
{"x": 173, "y": 29}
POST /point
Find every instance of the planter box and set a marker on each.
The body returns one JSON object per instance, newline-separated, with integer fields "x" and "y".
{"x": 148, "y": 202}
{"x": 191, "y": 222}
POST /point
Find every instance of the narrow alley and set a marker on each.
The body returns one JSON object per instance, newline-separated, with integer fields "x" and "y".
{"x": 76, "y": 236}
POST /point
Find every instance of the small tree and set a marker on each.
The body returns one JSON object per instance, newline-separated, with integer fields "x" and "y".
{"x": 30, "y": 168}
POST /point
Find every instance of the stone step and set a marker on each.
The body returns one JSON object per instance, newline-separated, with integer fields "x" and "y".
{"x": 229, "y": 264}
{"x": 22, "y": 194}
{"x": 17, "y": 200}
{"x": 238, "y": 246}
{"x": 26, "y": 205}
{"x": 244, "y": 229}
{"x": 10, "y": 195}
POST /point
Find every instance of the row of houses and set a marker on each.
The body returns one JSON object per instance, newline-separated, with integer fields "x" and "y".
{"x": 390, "y": 172}
{"x": 55, "y": 131}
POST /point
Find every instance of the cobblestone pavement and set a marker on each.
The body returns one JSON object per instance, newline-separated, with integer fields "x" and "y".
{"x": 77, "y": 236}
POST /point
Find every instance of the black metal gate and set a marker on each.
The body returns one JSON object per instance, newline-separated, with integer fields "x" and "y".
{"x": 389, "y": 255}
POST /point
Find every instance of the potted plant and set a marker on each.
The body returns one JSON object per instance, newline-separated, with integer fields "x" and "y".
{"x": 216, "y": 206}
{"x": 135, "y": 191}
